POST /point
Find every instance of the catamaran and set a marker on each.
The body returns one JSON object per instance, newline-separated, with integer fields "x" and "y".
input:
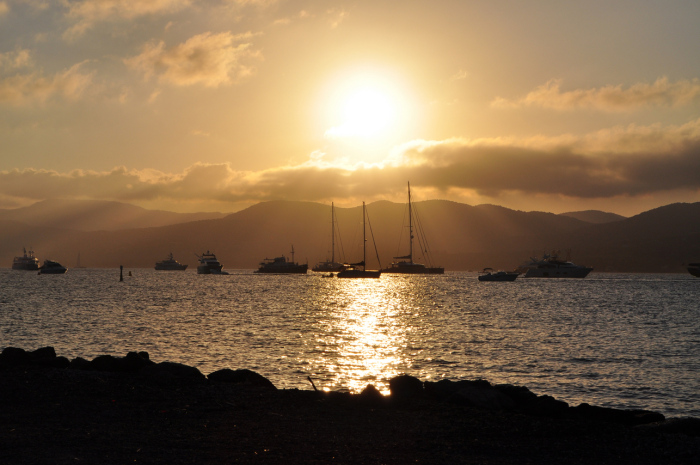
{"x": 406, "y": 265}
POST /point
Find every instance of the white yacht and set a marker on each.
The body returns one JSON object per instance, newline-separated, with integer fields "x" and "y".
{"x": 550, "y": 266}
{"x": 26, "y": 262}
{"x": 209, "y": 264}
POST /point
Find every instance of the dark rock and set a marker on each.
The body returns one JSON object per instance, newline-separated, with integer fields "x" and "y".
{"x": 547, "y": 406}
{"x": 107, "y": 363}
{"x": 132, "y": 363}
{"x": 520, "y": 394}
{"x": 404, "y": 387}
{"x": 79, "y": 363}
{"x": 687, "y": 426}
{"x": 371, "y": 396}
{"x": 14, "y": 356}
{"x": 623, "y": 417}
{"x": 241, "y": 376}
{"x": 167, "y": 372}
{"x": 43, "y": 356}
{"x": 479, "y": 394}
{"x": 135, "y": 361}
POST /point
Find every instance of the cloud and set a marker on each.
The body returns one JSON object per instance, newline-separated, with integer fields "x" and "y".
{"x": 11, "y": 61}
{"x": 87, "y": 13}
{"x": 336, "y": 17}
{"x": 207, "y": 59}
{"x": 608, "y": 98}
{"x": 628, "y": 162}
{"x": 4, "y": 8}
{"x": 22, "y": 89}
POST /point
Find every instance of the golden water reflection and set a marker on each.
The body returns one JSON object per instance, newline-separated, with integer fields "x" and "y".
{"x": 365, "y": 333}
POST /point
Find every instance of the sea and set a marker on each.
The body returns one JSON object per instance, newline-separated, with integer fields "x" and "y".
{"x": 628, "y": 341}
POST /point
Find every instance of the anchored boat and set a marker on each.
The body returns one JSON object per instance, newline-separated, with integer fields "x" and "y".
{"x": 330, "y": 265}
{"x": 170, "y": 264}
{"x": 359, "y": 270}
{"x": 406, "y": 265}
{"x": 27, "y": 262}
{"x": 280, "y": 265}
{"x": 550, "y": 266}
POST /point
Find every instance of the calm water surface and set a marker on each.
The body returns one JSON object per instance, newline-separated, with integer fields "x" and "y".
{"x": 616, "y": 340}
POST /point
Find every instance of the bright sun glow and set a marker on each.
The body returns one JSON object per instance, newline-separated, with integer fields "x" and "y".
{"x": 367, "y": 112}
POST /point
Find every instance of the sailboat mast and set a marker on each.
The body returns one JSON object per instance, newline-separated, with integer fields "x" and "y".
{"x": 332, "y": 234}
{"x": 364, "y": 238}
{"x": 410, "y": 225}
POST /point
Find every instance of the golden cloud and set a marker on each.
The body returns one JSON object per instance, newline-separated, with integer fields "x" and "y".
{"x": 87, "y": 13}
{"x": 27, "y": 88}
{"x": 207, "y": 59}
{"x": 18, "y": 59}
{"x": 637, "y": 162}
{"x": 608, "y": 98}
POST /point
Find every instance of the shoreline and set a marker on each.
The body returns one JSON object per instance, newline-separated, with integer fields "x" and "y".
{"x": 124, "y": 409}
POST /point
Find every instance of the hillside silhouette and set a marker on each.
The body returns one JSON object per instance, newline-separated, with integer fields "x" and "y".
{"x": 461, "y": 237}
{"x": 96, "y": 215}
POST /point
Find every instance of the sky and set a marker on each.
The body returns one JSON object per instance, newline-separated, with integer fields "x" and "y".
{"x": 215, "y": 105}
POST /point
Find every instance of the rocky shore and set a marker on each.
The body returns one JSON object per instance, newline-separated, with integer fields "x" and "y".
{"x": 117, "y": 410}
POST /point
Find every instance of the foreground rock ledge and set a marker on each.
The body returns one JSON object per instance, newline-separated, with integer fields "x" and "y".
{"x": 131, "y": 409}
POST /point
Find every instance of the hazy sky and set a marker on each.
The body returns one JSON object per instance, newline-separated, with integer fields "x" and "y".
{"x": 191, "y": 105}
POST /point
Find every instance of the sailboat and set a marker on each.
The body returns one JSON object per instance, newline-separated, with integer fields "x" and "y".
{"x": 359, "y": 270}
{"x": 78, "y": 265}
{"x": 330, "y": 265}
{"x": 406, "y": 265}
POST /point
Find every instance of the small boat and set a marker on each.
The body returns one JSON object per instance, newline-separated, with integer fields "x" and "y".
{"x": 280, "y": 265}
{"x": 406, "y": 265}
{"x": 330, "y": 264}
{"x": 52, "y": 267}
{"x": 359, "y": 270}
{"x": 170, "y": 264}
{"x": 489, "y": 275}
{"x": 694, "y": 269}
{"x": 26, "y": 262}
{"x": 550, "y": 266}
{"x": 208, "y": 264}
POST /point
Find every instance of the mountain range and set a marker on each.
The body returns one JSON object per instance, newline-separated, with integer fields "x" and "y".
{"x": 460, "y": 236}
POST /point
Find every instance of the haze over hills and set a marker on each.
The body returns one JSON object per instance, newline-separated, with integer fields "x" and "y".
{"x": 96, "y": 215}
{"x": 461, "y": 237}
{"x": 595, "y": 216}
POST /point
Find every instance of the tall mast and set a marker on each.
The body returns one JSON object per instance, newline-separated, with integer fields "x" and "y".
{"x": 364, "y": 239}
{"x": 410, "y": 225}
{"x": 332, "y": 234}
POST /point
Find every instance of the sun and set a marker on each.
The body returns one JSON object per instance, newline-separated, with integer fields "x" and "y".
{"x": 366, "y": 111}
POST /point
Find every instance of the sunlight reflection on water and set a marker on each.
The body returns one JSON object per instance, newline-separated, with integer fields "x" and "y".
{"x": 611, "y": 340}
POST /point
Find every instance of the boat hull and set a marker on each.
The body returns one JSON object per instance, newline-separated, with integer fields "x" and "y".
{"x": 53, "y": 270}
{"x": 167, "y": 267}
{"x": 412, "y": 268}
{"x": 554, "y": 272}
{"x": 327, "y": 267}
{"x": 209, "y": 269}
{"x": 25, "y": 266}
{"x": 359, "y": 274}
{"x": 694, "y": 269}
{"x": 293, "y": 269}
{"x": 499, "y": 277}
